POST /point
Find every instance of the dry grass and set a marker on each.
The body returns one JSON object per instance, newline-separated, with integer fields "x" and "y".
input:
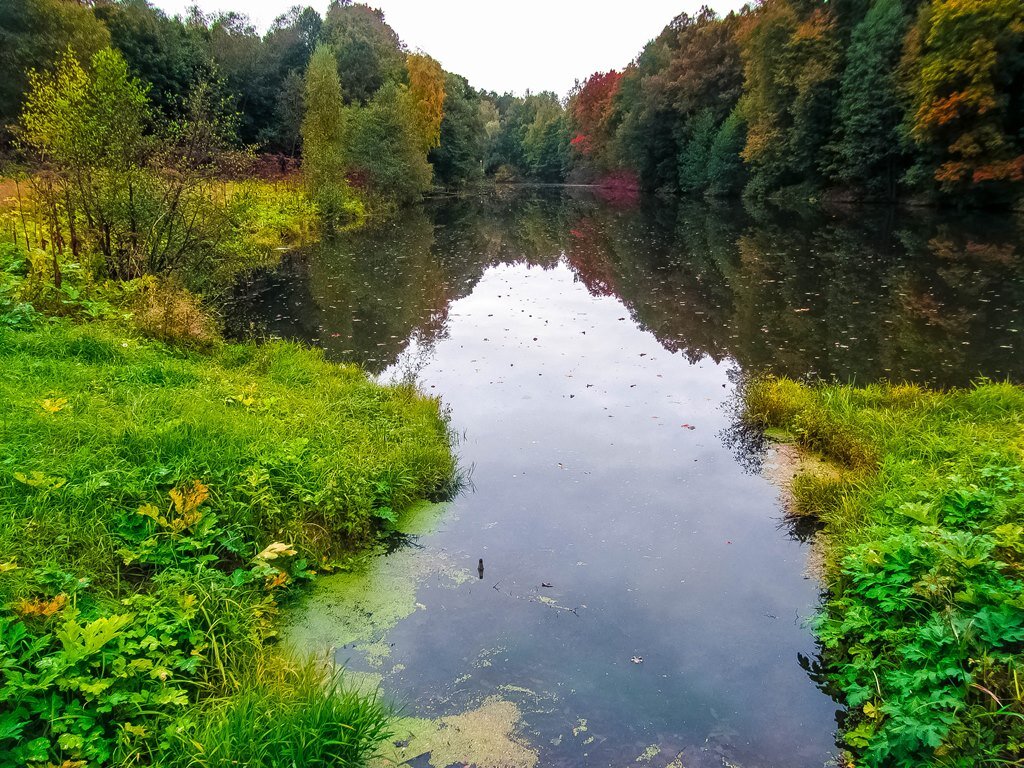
{"x": 167, "y": 312}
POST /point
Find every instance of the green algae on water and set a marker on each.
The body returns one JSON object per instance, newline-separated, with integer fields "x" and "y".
{"x": 485, "y": 737}
{"x": 356, "y": 609}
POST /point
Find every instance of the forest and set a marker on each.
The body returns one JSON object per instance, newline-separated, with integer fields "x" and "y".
{"x": 920, "y": 100}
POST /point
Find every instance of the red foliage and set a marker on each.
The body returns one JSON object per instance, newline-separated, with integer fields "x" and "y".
{"x": 1009, "y": 170}
{"x": 591, "y": 107}
{"x": 582, "y": 144}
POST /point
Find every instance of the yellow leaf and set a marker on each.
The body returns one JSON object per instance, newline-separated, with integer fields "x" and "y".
{"x": 186, "y": 499}
{"x": 39, "y": 607}
{"x": 54, "y": 405}
{"x": 277, "y": 580}
{"x": 37, "y": 479}
{"x": 8, "y": 566}
{"x": 275, "y": 550}
{"x": 149, "y": 510}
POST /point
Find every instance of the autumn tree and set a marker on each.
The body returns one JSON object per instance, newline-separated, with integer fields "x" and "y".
{"x": 966, "y": 86}
{"x": 427, "y": 93}
{"x": 692, "y": 66}
{"x": 790, "y": 61}
{"x": 591, "y": 118}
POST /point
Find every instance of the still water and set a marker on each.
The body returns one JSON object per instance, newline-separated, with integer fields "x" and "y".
{"x": 642, "y": 601}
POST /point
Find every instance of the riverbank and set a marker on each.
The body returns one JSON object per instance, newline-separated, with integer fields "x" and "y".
{"x": 922, "y": 627}
{"x": 159, "y": 500}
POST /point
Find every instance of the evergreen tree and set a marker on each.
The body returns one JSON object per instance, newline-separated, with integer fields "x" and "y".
{"x": 726, "y": 174}
{"x": 867, "y": 151}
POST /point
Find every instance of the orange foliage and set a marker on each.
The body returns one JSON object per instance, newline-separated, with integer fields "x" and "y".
{"x": 40, "y": 608}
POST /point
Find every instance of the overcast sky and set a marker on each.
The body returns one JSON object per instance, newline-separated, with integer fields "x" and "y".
{"x": 507, "y": 45}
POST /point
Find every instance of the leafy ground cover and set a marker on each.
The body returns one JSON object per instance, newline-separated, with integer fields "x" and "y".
{"x": 922, "y": 627}
{"x": 157, "y": 503}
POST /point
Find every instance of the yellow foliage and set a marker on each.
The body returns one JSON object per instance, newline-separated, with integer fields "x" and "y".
{"x": 277, "y": 580}
{"x": 184, "y": 511}
{"x": 275, "y": 550}
{"x": 426, "y": 87}
{"x": 54, "y": 405}
{"x": 186, "y": 499}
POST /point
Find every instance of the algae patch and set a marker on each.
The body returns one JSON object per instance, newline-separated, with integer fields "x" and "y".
{"x": 356, "y": 609}
{"x": 485, "y": 737}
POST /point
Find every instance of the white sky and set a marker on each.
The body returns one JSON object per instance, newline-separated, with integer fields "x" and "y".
{"x": 507, "y": 45}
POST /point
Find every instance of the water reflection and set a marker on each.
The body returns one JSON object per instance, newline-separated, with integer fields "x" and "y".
{"x": 856, "y": 295}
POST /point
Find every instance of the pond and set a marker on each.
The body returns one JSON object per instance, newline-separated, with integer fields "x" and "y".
{"x": 642, "y": 599}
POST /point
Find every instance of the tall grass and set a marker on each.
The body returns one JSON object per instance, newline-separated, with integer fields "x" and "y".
{"x": 288, "y": 718}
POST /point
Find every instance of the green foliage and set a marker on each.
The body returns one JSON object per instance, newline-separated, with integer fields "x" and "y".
{"x": 144, "y": 201}
{"x": 323, "y": 137}
{"x": 155, "y": 505}
{"x": 725, "y": 173}
{"x": 368, "y": 51}
{"x": 384, "y": 146}
{"x": 292, "y": 719}
{"x": 546, "y": 144}
{"x": 923, "y": 628}
{"x": 163, "y": 52}
{"x": 458, "y": 160}
{"x": 867, "y": 148}
{"x": 695, "y": 157}
{"x": 33, "y": 35}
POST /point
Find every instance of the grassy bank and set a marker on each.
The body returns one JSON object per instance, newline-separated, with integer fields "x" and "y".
{"x": 156, "y": 506}
{"x": 923, "y": 625}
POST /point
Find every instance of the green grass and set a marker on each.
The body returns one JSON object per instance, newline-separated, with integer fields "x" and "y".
{"x": 287, "y": 719}
{"x": 156, "y": 505}
{"x": 923, "y": 625}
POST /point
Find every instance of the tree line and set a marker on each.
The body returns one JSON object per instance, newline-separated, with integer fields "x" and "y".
{"x": 402, "y": 122}
{"x": 865, "y": 99}
{"x": 861, "y": 99}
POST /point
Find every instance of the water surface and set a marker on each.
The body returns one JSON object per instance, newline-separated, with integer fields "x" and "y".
{"x": 642, "y": 600}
